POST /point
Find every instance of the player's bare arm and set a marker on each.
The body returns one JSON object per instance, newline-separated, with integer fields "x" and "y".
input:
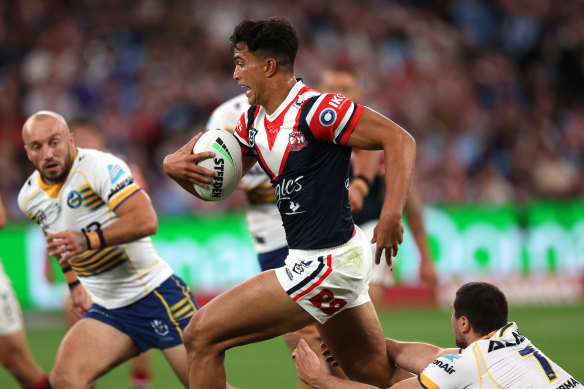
{"x": 182, "y": 167}
{"x": 365, "y": 168}
{"x": 414, "y": 356}
{"x": 376, "y": 132}
{"x": 137, "y": 219}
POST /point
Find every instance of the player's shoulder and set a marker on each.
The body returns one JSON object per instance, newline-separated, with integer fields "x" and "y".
{"x": 31, "y": 185}
{"x": 449, "y": 370}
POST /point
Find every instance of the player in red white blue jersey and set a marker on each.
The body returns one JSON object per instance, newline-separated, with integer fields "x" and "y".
{"x": 302, "y": 139}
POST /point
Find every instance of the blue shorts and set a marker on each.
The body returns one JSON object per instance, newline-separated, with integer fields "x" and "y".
{"x": 273, "y": 259}
{"x": 155, "y": 321}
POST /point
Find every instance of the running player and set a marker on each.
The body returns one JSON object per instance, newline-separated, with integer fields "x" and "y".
{"x": 264, "y": 221}
{"x": 15, "y": 355}
{"x": 302, "y": 139}
{"x": 367, "y": 191}
{"x": 88, "y": 135}
{"x": 98, "y": 222}
{"x": 492, "y": 354}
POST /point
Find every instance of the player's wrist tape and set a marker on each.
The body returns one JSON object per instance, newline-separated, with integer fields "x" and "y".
{"x": 66, "y": 269}
{"x": 95, "y": 240}
{"x": 73, "y": 284}
{"x": 360, "y": 182}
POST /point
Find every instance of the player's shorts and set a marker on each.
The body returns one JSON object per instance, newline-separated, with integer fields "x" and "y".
{"x": 381, "y": 274}
{"x": 155, "y": 321}
{"x": 273, "y": 259}
{"x": 10, "y": 314}
{"x": 328, "y": 281}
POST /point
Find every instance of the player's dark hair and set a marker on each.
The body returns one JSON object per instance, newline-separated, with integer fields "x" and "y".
{"x": 483, "y": 304}
{"x": 274, "y": 37}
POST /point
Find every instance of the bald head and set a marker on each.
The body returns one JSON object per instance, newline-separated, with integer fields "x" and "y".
{"x": 30, "y": 124}
{"x": 49, "y": 145}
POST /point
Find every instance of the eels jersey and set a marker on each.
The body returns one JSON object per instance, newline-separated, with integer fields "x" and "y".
{"x": 299, "y": 146}
{"x": 502, "y": 359}
{"x": 97, "y": 184}
{"x": 263, "y": 217}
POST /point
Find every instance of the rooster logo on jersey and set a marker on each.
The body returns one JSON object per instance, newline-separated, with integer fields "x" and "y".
{"x": 297, "y": 141}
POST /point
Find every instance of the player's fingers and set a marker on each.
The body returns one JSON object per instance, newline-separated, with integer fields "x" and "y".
{"x": 388, "y": 257}
{"x": 203, "y": 155}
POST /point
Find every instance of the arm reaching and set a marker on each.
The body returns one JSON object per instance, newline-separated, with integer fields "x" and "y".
{"x": 414, "y": 356}
{"x": 376, "y": 132}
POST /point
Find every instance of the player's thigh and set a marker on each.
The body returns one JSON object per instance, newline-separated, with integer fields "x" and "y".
{"x": 91, "y": 348}
{"x": 356, "y": 340}
{"x": 254, "y": 310}
{"x": 177, "y": 358}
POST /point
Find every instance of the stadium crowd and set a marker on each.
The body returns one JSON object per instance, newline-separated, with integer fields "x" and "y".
{"x": 493, "y": 91}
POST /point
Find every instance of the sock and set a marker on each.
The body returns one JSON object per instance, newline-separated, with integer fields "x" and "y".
{"x": 140, "y": 379}
{"x": 42, "y": 384}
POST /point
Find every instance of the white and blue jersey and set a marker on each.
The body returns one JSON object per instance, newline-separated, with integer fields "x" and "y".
{"x": 299, "y": 146}
{"x": 502, "y": 359}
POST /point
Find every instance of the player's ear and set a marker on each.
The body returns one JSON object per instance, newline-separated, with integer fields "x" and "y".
{"x": 465, "y": 325}
{"x": 270, "y": 67}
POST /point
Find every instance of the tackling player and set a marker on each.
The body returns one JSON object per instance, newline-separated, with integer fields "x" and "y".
{"x": 492, "y": 354}
{"x": 302, "y": 140}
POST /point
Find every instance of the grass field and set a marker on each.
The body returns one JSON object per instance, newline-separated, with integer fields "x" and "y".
{"x": 557, "y": 331}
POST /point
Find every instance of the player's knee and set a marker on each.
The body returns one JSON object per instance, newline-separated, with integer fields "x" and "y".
{"x": 195, "y": 334}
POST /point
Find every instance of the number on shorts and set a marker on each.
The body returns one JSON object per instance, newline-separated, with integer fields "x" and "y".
{"x": 327, "y": 298}
{"x": 545, "y": 364}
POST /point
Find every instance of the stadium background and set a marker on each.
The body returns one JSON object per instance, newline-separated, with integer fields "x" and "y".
{"x": 493, "y": 92}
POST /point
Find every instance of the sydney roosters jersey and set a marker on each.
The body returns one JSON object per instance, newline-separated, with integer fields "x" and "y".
{"x": 301, "y": 146}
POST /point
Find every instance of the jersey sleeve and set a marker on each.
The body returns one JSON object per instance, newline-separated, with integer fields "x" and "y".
{"x": 333, "y": 117}
{"x": 447, "y": 372}
{"x": 112, "y": 180}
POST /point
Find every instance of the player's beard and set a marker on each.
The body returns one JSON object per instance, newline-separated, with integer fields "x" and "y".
{"x": 64, "y": 172}
{"x": 460, "y": 341}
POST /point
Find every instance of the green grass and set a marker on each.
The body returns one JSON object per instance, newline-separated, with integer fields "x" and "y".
{"x": 557, "y": 331}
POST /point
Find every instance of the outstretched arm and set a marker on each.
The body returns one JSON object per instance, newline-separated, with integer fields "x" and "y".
{"x": 414, "y": 356}
{"x": 374, "y": 131}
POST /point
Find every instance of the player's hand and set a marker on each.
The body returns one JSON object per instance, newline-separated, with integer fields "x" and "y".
{"x": 81, "y": 300}
{"x": 66, "y": 244}
{"x": 182, "y": 165}
{"x": 388, "y": 234}
{"x": 356, "y": 199}
{"x": 307, "y": 363}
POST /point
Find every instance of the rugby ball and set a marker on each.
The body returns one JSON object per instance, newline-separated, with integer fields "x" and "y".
{"x": 226, "y": 162}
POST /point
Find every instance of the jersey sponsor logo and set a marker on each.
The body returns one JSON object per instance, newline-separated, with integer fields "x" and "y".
{"x": 74, "y": 199}
{"x": 115, "y": 172}
{"x": 336, "y": 100}
{"x": 159, "y": 327}
{"x": 297, "y": 141}
{"x": 39, "y": 217}
{"x": 121, "y": 185}
{"x": 327, "y": 117}
{"x": 570, "y": 383}
{"x": 495, "y": 345}
{"x": 251, "y": 136}
{"x": 287, "y": 187}
{"x": 447, "y": 367}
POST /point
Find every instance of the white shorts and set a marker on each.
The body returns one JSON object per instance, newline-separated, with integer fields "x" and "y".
{"x": 10, "y": 315}
{"x": 325, "y": 282}
{"x": 381, "y": 274}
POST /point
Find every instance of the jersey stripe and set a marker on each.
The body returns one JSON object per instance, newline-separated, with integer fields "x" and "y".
{"x": 320, "y": 280}
{"x": 426, "y": 382}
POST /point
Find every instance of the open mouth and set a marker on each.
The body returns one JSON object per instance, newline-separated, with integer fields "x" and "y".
{"x": 51, "y": 166}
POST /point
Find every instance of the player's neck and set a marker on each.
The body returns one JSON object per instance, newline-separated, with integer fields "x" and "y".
{"x": 277, "y": 92}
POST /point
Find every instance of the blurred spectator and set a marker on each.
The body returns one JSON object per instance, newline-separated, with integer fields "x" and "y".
{"x": 493, "y": 91}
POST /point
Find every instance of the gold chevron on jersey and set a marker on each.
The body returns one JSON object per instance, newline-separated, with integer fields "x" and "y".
{"x": 90, "y": 199}
{"x": 98, "y": 261}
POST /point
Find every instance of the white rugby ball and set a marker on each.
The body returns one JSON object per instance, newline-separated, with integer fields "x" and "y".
{"x": 226, "y": 162}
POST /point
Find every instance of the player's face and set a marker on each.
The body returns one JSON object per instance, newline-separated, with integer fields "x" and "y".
{"x": 49, "y": 147}
{"x": 459, "y": 338}
{"x": 248, "y": 73}
{"x": 343, "y": 83}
